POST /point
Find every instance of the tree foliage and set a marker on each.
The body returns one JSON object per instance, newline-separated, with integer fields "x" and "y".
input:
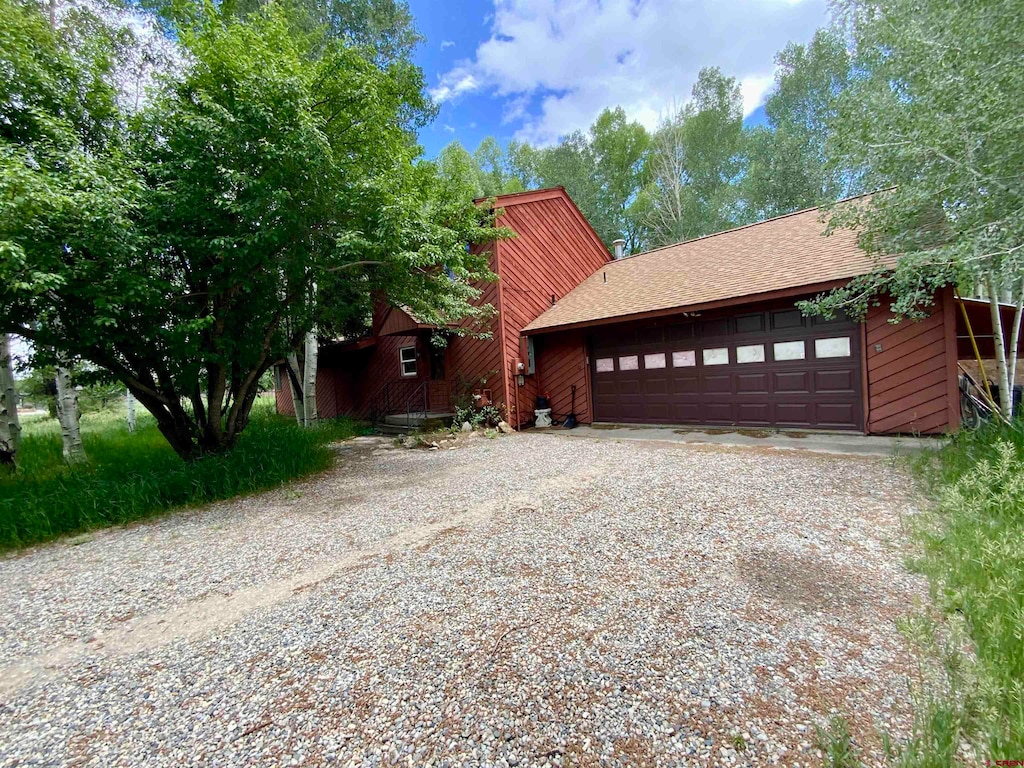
{"x": 697, "y": 162}
{"x": 934, "y": 111}
{"x": 788, "y": 162}
{"x": 270, "y": 188}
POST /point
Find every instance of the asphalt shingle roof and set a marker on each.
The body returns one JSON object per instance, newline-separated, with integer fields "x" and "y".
{"x": 781, "y": 253}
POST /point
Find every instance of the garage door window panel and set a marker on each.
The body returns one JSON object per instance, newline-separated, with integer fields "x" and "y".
{"x": 834, "y": 347}
{"x": 789, "y": 350}
{"x": 605, "y": 364}
{"x": 750, "y": 353}
{"x": 684, "y": 359}
{"x": 654, "y": 361}
{"x": 716, "y": 356}
{"x": 629, "y": 363}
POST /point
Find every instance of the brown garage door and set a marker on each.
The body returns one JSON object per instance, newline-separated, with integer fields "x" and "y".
{"x": 771, "y": 367}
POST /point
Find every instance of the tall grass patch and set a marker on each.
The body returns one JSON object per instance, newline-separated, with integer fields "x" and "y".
{"x": 973, "y": 553}
{"x": 133, "y": 475}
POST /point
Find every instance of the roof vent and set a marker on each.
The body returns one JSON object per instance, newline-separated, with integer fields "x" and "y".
{"x": 620, "y": 248}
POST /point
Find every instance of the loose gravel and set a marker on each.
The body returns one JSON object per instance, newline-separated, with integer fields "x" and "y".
{"x": 528, "y": 600}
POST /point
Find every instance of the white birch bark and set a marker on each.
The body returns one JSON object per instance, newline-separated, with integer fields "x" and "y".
{"x": 310, "y": 353}
{"x": 10, "y": 426}
{"x": 129, "y": 402}
{"x": 1005, "y": 394}
{"x": 295, "y": 375}
{"x": 1018, "y": 316}
{"x": 69, "y": 417}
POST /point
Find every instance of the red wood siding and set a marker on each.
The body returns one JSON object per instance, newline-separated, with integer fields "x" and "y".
{"x": 554, "y": 251}
{"x": 282, "y": 394}
{"x": 397, "y": 321}
{"x": 911, "y": 371}
{"x": 478, "y": 362}
{"x": 561, "y": 363}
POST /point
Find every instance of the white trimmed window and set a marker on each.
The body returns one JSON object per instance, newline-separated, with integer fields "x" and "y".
{"x": 407, "y": 359}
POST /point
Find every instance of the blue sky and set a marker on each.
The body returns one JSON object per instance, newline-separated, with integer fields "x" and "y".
{"x": 538, "y": 69}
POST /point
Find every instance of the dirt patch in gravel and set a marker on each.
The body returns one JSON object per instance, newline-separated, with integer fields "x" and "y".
{"x": 528, "y": 600}
{"x": 797, "y": 581}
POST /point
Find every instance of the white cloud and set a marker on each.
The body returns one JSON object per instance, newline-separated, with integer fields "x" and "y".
{"x": 572, "y": 58}
{"x": 455, "y": 84}
{"x": 755, "y": 89}
{"x": 447, "y": 44}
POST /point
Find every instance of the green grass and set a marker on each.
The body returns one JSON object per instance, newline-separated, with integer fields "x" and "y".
{"x": 836, "y": 745}
{"x": 131, "y": 476}
{"x": 972, "y": 550}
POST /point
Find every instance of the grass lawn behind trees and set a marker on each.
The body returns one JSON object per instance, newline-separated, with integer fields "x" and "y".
{"x": 131, "y": 476}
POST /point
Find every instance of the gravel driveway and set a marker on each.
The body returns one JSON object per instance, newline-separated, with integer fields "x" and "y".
{"x": 528, "y": 600}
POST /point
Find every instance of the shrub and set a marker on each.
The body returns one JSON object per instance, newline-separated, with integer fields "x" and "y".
{"x": 131, "y": 476}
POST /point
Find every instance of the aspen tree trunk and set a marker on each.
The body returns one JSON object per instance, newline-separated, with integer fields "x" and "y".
{"x": 1002, "y": 372}
{"x": 10, "y": 427}
{"x": 310, "y": 353}
{"x": 69, "y": 416}
{"x": 1018, "y": 316}
{"x": 295, "y": 375}
{"x": 129, "y": 401}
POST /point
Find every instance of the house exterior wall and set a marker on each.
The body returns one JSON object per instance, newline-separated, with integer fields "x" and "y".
{"x": 554, "y": 250}
{"x": 912, "y": 371}
{"x": 476, "y": 363}
{"x": 562, "y": 362}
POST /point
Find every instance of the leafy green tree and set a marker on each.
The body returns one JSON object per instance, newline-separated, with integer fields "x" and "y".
{"x": 522, "y": 164}
{"x": 788, "y": 166}
{"x": 490, "y": 162}
{"x": 935, "y": 111}
{"x": 456, "y": 163}
{"x": 696, "y": 162}
{"x": 621, "y": 171}
{"x": 188, "y": 255}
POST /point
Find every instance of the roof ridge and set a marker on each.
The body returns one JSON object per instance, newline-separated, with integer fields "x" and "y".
{"x": 555, "y": 188}
{"x": 747, "y": 226}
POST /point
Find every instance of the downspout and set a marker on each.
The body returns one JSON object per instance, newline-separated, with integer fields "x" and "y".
{"x": 505, "y": 362}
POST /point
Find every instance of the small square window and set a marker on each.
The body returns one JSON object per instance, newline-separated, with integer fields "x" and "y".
{"x": 716, "y": 356}
{"x": 629, "y": 363}
{"x": 685, "y": 359}
{"x": 407, "y": 359}
{"x": 790, "y": 350}
{"x": 753, "y": 353}
{"x": 838, "y": 347}
{"x": 654, "y": 361}
{"x": 605, "y": 364}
